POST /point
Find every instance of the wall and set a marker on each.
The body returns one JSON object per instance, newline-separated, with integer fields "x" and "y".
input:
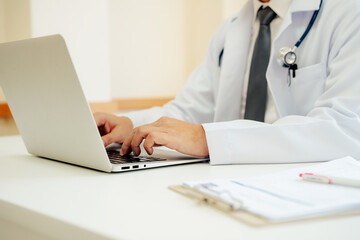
{"x": 201, "y": 18}
{"x": 231, "y": 7}
{"x": 14, "y": 23}
{"x": 147, "y": 48}
{"x": 84, "y": 26}
{"x": 121, "y": 48}
{"x": 2, "y": 21}
{"x": 156, "y": 44}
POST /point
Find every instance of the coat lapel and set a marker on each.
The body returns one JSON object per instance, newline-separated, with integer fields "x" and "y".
{"x": 290, "y": 32}
{"x": 234, "y": 61}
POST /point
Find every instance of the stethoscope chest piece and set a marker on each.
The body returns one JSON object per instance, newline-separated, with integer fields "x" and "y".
{"x": 287, "y": 59}
{"x": 287, "y": 56}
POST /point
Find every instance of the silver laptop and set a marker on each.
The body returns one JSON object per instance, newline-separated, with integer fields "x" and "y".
{"x": 53, "y": 117}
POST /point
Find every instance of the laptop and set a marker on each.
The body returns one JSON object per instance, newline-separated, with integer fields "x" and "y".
{"x": 53, "y": 117}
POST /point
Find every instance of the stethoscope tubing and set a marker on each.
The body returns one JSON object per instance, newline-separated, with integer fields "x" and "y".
{"x": 311, "y": 23}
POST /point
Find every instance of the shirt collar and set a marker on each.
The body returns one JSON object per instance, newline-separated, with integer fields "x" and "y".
{"x": 280, "y": 7}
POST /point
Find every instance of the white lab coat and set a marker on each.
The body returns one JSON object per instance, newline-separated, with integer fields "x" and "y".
{"x": 319, "y": 112}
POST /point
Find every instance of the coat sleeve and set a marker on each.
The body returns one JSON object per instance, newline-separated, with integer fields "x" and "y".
{"x": 195, "y": 103}
{"x": 330, "y": 130}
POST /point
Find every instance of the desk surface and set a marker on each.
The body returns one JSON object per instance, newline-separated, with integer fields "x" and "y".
{"x": 61, "y": 201}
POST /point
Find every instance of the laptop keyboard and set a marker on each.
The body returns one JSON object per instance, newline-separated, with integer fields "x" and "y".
{"x": 116, "y": 158}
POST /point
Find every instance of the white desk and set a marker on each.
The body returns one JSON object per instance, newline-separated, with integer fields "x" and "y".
{"x": 47, "y": 199}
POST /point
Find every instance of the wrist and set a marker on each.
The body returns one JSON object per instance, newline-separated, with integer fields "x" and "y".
{"x": 205, "y": 149}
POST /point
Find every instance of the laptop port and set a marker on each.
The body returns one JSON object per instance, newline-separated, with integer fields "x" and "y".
{"x": 135, "y": 166}
{"x": 124, "y": 168}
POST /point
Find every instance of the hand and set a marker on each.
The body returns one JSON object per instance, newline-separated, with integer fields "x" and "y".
{"x": 184, "y": 137}
{"x": 113, "y": 129}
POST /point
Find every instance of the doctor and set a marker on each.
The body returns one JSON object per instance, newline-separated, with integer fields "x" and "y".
{"x": 245, "y": 104}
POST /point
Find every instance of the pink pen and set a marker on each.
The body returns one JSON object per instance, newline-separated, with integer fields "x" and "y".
{"x": 329, "y": 179}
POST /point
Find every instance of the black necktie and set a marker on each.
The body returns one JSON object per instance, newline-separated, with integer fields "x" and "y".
{"x": 257, "y": 87}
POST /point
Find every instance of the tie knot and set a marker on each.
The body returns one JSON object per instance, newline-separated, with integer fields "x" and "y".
{"x": 266, "y": 15}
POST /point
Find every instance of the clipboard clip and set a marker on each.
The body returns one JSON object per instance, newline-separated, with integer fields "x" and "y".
{"x": 210, "y": 193}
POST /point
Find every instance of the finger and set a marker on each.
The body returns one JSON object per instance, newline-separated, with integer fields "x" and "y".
{"x": 133, "y": 141}
{"x": 135, "y": 144}
{"x": 125, "y": 148}
{"x": 154, "y": 139}
{"x": 108, "y": 139}
{"x": 139, "y": 134}
{"x": 107, "y": 127}
{"x": 100, "y": 119}
{"x": 104, "y": 129}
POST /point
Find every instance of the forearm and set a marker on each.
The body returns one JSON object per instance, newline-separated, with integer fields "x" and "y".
{"x": 295, "y": 139}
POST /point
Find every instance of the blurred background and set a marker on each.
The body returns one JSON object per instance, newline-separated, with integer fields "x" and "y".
{"x": 128, "y": 54}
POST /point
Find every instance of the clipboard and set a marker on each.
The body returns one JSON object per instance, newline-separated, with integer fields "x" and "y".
{"x": 243, "y": 215}
{"x": 280, "y": 197}
{"x": 222, "y": 206}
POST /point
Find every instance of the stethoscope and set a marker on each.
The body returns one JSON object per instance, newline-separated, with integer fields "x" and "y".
{"x": 287, "y": 56}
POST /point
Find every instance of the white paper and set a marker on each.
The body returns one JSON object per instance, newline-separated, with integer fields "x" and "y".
{"x": 284, "y": 195}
